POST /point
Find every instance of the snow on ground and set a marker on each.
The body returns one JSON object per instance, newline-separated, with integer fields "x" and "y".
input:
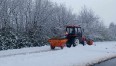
{"x": 24, "y": 51}
{"x": 74, "y": 56}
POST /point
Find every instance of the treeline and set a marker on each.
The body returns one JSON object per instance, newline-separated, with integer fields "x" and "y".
{"x": 112, "y": 31}
{"x": 30, "y": 23}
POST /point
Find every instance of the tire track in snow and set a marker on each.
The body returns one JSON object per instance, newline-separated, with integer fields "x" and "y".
{"x": 26, "y": 53}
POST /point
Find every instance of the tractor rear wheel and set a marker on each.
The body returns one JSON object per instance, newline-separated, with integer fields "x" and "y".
{"x": 83, "y": 42}
{"x": 52, "y": 47}
{"x": 68, "y": 45}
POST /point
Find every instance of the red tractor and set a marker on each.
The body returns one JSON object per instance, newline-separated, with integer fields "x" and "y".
{"x": 74, "y": 34}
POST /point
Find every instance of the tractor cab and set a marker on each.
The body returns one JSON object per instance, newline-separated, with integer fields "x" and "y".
{"x": 74, "y": 35}
{"x": 74, "y": 31}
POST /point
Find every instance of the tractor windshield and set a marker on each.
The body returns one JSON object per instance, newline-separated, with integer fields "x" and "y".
{"x": 70, "y": 30}
{"x": 74, "y": 30}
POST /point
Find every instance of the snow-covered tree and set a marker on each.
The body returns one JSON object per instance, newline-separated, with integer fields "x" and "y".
{"x": 92, "y": 24}
{"x": 112, "y": 31}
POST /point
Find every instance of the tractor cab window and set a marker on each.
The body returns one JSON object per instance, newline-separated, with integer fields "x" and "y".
{"x": 70, "y": 30}
{"x": 79, "y": 30}
{"x": 76, "y": 30}
{"x": 73, "y": 30}
{"x": 79, "y": 33}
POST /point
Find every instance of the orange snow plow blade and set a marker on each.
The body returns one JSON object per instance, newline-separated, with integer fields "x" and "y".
{"x": 57, "y": 42}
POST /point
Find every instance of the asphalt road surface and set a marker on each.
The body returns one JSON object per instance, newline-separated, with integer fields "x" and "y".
{"x": 111, "y": 62}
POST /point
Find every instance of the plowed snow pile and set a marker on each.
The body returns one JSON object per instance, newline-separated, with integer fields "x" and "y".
{"x": 74, "y": 56}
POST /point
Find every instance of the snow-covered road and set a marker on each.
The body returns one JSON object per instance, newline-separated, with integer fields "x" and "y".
{"x": 24, "y": 51}
{"x": 111, "y": 62}
{"x": 74, "y": 56}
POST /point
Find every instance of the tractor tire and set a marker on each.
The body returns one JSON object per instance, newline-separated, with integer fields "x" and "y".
{"x": 68, "y": 45}
{"x": 74, "y": 45}
{"x": 61, "y": 47}
{"x": 52, "y": 47}
{"x": 83, "y": 43}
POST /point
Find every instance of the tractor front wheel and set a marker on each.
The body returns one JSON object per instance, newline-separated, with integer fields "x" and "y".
{"x": 68, "y": 45}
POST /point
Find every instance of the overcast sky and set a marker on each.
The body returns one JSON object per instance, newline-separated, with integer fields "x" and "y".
{"x": 106, "y": 9}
